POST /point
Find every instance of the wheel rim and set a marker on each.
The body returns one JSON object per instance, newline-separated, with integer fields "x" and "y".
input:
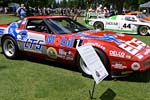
{"x": 84, "y": 67}
{"x": 9, "y": 47}
{"x": 144, "y": 30}
{"x": 98, "y": 26}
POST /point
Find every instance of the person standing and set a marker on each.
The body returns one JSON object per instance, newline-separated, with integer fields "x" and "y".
{"x": 21, "y": 11}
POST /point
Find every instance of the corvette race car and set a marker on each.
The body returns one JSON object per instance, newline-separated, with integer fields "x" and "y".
{"x": 57, "y": 37}
{"x": 122, "y": 23}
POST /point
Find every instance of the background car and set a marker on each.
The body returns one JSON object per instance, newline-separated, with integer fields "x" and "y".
{"x": 139, "y": 15}
{"x": 129, "y": 24}
{"x": 56, "y": 38}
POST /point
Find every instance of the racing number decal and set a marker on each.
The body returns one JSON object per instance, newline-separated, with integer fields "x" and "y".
{"x": 77, "y": 43}
{"x": 132, "y": 46}
{"x": 127, "y": 25}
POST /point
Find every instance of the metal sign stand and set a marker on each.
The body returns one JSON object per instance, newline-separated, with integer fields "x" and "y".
{"x": 91, "y": 93}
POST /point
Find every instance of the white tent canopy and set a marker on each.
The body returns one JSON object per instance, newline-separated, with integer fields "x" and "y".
{"x": 13, "y": 5}
{"x": 146, "y": 5}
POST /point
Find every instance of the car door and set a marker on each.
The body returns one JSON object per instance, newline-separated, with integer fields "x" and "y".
{"x": 61, "y": 46}
{"x": 127, "y": 25}
{"x": 33, "y": 37}
{"x": 112, "y": 23}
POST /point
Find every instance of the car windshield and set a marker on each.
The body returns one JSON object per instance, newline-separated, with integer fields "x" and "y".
{"x": 65, "y": 25}
{"x": 141, "y": 16}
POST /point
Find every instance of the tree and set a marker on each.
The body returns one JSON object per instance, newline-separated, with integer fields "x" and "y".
{"x": 118, "y": 4}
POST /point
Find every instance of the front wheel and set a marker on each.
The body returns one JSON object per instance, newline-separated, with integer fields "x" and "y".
{"x": 84, "y": 69}
{"x": 10, "y": 48}
{"x": 143, "y": 30}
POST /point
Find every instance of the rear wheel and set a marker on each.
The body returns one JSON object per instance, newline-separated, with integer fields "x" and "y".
{"x": 10, "y": 48}
{"x": 84, "y": 69}
{"x": 143, "y": 30}
{"x": 99, "y": 25}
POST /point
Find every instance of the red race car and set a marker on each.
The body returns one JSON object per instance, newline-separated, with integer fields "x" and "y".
{"x": 57, "y": 37}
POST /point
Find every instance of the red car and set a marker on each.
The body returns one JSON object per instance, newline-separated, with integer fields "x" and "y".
{"x": 57, "y": 37}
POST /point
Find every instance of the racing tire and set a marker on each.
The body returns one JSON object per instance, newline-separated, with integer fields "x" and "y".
{"x": 99, "y": 25}
{"x": 10, "y": 48}
{"x": 86, "y": 72}
{"x": 143, "y": 30}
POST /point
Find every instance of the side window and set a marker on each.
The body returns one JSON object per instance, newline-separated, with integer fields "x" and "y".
{"x": 37, "y": 25}
{"x": 130, "y": 19}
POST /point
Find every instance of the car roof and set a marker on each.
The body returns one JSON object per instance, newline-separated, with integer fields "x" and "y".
{"x": 134, "y": 12}
{"x": 47, "y": 17}
{"x": 121, "y": 16}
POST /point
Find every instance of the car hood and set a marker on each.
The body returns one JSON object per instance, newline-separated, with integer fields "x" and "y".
{"x": 4, "y": 25}
{"x": 147, "y": 18}
{"x": 124, "y": 42}
{"x": 106, "y": 36}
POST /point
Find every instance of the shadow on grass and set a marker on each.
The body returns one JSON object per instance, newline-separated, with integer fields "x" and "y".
{"x": 137, "y": 77}
{"x": 2, "y": 67}
{"x": 52, "y": 63}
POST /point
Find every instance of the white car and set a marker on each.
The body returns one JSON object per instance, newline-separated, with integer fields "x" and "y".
{"x": 122, "y": 23}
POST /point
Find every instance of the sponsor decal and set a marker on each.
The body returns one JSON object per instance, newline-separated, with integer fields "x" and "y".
{"x": 128, "y": 56}
{"x": 52, "y": 39}
{"x": 68, "y": 55}
{"x": 106, "y": 37}
{"x": 119, "y": 62}
{"x": 67, "y": 42}
{"x": 140, "y": 56}
{"x": 119, "y": 66}
{"x": 111, "y": 23}
{"x": 29, "y": 43}
{"x": 97, "y": 45}
{"x": 133, "y": 46}
{"x": 62, "y": 41}
{"x": 135, "y": 66}
{"x": 116, "y": 54}
{"x": 52, "y": 53}
{"x": 147, "y": 51}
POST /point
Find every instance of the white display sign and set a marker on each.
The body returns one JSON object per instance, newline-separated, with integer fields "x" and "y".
{"x": 93, "y": 62}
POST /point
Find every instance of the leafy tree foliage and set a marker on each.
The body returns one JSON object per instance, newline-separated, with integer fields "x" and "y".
{"x": 117, "y": 4}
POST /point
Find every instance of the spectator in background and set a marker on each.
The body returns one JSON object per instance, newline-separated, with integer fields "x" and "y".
{"x": 99, "y": 9}
{"x": 21, "y": 11}
{"x": 106, "y": 12}
{"x": 1, "y": 9}
{"x": 5, "y": 10}
{"x": 146, "y": 12}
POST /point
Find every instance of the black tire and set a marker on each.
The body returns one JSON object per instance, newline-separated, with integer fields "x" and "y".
{"x": 99, "y": 25}
{"x": 85, "y": 71}
{"x": 143, "y": 30}
{"x": 10, "y": 48}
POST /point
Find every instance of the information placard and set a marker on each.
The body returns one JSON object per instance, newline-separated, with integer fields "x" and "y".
{"x": 93, "y": 62}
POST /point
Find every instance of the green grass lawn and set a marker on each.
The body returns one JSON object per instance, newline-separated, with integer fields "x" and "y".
{"x": 37, "y": 80}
